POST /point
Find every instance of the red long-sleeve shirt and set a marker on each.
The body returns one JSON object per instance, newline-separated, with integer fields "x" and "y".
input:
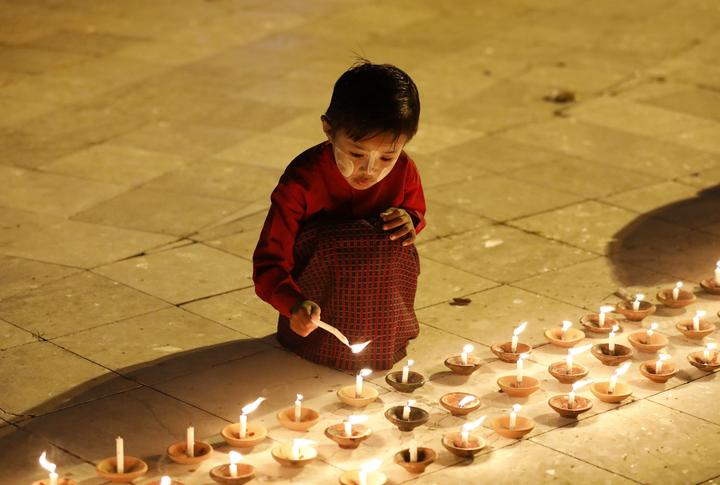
{"x": 312, "y": 184}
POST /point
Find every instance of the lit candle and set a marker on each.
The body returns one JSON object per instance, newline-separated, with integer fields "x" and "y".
{"x": 467, "y": 427}
{"x": 518, "y": 330}
{"x": 50, "y": 467}
{"x": 696, "y": 319}
{"x": 604, "y": 310}
{"x": 165, "y": 480}
{"x": 297, "y": 446}
{"x": 235, "y": 458}
{"x": 119, "y": 455}
{"x": 406, "y": 409}
{"x": 571, "y": 395}
{"x": 465, "y": 401}
{"x": 676, "y": 290}
{"x": 243, "y": 417}
{"x": 521, "y": 366}
{"x": 513, "y": 416}
{"x": 406, "y": 371}
{"x": 717, "y": 273}
{"x": 611, "y": 339}
{"x": 413, "y": 451}
{"x": 357, "y": 348}
{"x": 190, "y": 441}
{"x": 638, "y": 299}
{"x": 572, "y": 352}
{"x": 650, "y": 332}
{"x": 618, "y": 372}
{"x": 708, "y": 347}
{"x": 464, "y": 354}
{"x": 565, "y": 326}
{"x": 659, "y": 362}
{"x": 359, "y": 381}
{"x": 367, "y": 468}
{"x": 298, "y": 407}
{"x": 354, "y": 419}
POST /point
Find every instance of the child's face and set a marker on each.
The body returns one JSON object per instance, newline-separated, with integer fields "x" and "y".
{"x": 366, "y": 162}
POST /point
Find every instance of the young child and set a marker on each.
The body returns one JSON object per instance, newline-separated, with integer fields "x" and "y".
{"x": 339, "y": 234}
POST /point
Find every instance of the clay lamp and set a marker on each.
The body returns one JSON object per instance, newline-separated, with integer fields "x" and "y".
{"x": 368, "y": 474}
{"x": 658, "y": 370}
{"x": 569, "y": 405}
{"x": 405, "y": 380}
{"x": 407, "y": 417}
{"x": 295, "y": 454}
{"x": 464, "y": 444}
{"x": 612, "y": 353}
{"x": 121, "y": 468}
{"x": 513, "y": 426}
{"x": 165, "y": 480}
{"x": 519, "y": 385}
{"x": 53, "y": 478}
{"x": 460, "y": 403}
{"x": 707, "y": 360}
{"x": 696, "y": 329}
{"x": 712, "y": 285}
{"x": 564, "y": 336}
{"x": 463, "y": 364}
{"x": 359, "y": 395}
{"x": 235, "y": 473}
{"x": 568, "y": 372}
{"x": 349, "y": 434}
{"x": 414, "y": 459}
{"x": 647, "y": 340}
{"x": 635, "y": 310}
{"x": 599, "y": 323}
{"x": 676, "y": 297}
{"x": 298, "y": 418}
{"x": 612, "y": 391}
{"x": 510, "y": 351}
{"x": 189, "y": 452}
{"x": 242, "y": 434}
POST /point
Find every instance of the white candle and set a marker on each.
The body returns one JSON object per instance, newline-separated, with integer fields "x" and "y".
{"x": 119, "y": 455}
{"x": 298, "y": 408}
{"x": 243, "y": 426}
{"x": 569, "y": 361}
{"x": 296, "y": 450}
{"x": 467, "y": 427}
{"x": 50, "y": 467}
{"x": 611, "y": 339}
{"x": 717, "y": 273}
{"x": 365, "y": 469}
{"x": 165, "y": 480}
{"x": 696, "y": 319}
{"x": 359, "y": 381}
{"x": 613, "y": 383}
{"x": 406, "y": 371}
{"x": 604, "y": 310}
{"x": 235, "y": 458}
{"x": 659, "y": 362}
{"x": 571, "y": 399}
{"x": 190, "y": 441}
{"x": 413, "y": 451}
{"x": 348, "y": 428}
{"x": 245, "y": 411}
{"x": 464, "y": 436}
{"x": 618, "y": 372}
{"x": 406, "y": 410}
{"x": 638, "y": 299}
{"x": 513, "y": 416}
{"x": 676, "y": 290}
{"x": 465, "y": 401}
{"x": 518, "y": 330}
{"x": 521, "y": 367}
{"x": 565, "y": 326}
{"x": 464, "y": 354}
{"x": 708, "y": 348}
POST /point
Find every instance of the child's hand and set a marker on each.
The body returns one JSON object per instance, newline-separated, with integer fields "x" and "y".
{"x": 401, "y": 221}
{"x": 303, "y": 316}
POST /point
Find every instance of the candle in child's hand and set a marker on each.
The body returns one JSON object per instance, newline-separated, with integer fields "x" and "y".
{"x": 518, "y": 330}
{"x": 513, "y": 416}
{"x": 638, "y": 299}
{"x": 235, "y": 458}
{"x": 359, "y": 381}
{"x": 298, "y": 408}
{"x": 696, "y": 319}
{"x": 676, "y": 290}
{"x": 406, "y": 371}
{"x": 119, "y": 455}
{"x": 406, "y": 409}
{"x": 190, "y": 442}
{"x": 464, "y": 354}
{"x": 659, "y": 362}
{"x": 566, "y": 324}
{"x": 611, "y": 339}
{"x": 413, "y": 451}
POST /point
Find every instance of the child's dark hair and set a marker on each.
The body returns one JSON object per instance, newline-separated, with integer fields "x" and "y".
{"x": 369, "y": 99}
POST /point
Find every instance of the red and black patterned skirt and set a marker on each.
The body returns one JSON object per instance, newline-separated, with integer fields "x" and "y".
{"x": 365, "y": 285}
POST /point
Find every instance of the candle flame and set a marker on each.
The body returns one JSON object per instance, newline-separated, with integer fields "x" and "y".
{"x": 474, "y": 424}
{"x": 520, "y": 328}
{"x": 718, "y": 264}
{"x": 299, "y": 397}
{"x": 622, "y": 369}
{"x": 357, "y": 348}
{"x": 700, "y": 313}
{"x": 465, "y": 401}
{"x": 679, "y": 284}
{"x": 468, "y": 348}
{"x": 357, "y": 418}
{"x": 410, "y": 362}
{"x": 298, "y": 443}
{"x": 410, "y": 403}
{"x": 364, "y": 372}
{"x": 639, "y": 296}
{"x": 710, "y": 345}
{"x": 165, "y": 480}
{"x": 606, "y": 309}
{"x": 235, "y": 457}
{"x": 578, "y": 384}
{"x": 566, "y": 324}
{"x": 662, "y": 357}
{"x": 654, "y": 326}
{"x": 615, "y": 328}
{"x": 252, "y": 406}
{"x": 46, "y": 464}
{"x": 516, "y": 408}
{"x": 371, "y": 465}
{"x": 579, "y": 350}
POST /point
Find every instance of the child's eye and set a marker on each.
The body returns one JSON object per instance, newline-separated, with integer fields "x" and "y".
{"x": 386, "y": 159}
{"x": 355, "y": 155}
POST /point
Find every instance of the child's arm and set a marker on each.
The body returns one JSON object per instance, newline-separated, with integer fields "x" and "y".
{"x": 407, "y": 221}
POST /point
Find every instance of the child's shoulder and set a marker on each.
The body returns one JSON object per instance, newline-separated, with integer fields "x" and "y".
{"x": 303, "y": 165}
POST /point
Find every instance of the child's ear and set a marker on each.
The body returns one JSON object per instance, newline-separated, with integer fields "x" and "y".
{"x": 327, "y": 128}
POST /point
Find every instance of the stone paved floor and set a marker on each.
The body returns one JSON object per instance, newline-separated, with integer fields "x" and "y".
{"x": 139, "y": 141}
